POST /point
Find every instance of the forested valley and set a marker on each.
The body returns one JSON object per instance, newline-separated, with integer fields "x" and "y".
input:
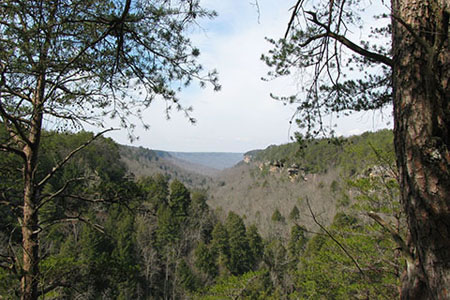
{"x": 324, "y": 217}
{"x": 107, "y": 233}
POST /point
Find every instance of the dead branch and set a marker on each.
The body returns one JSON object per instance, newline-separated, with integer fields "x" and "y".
{"x": 52, "y": 286}
{"x": 6, "y": 148}
{"x": 78, "y": 218}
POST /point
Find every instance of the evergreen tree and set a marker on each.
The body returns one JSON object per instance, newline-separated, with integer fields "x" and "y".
{"x": 220, "y": 245}
{"x": 405, "y": 63}
{"x": 205, "y": 260}
{"x": 167, "y": 231}
{"x": 277, "y": 262}
{"x": 256, "y": 245}
{"x": 199, "y": 199}
{"x": 71, "y": 63}
{"x": 277, "y": 216}
{"x": 179, "y": 199}
{"x": 297, "y": 241}
{"x": 239, "y": 254}
{"x": 120, "y": 226}
{"x": 186, "y": 277}
{"x": 156, "y": 189}
{"x": 94, "y": 252}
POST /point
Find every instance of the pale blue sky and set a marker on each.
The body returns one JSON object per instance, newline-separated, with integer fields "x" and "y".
{"x": 242, "y": 116}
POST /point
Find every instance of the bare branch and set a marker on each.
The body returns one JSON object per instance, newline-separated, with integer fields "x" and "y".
{"x": 6, "y": 116}
{"x": 312, "y": 39}
{"x": 294, "y": 13}
{"x": 334, "y": 239}
{"x": 52, "y": 286}
{"x": 52, "y": 196}
{"x": 6, "y": 148}
{"x": 78, "y": 218}
{"x": 258, "y": 10}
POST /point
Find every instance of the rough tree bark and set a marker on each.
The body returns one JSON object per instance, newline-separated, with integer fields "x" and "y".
{"x": 422, "y": 118}
{"x": 417, "y": 68}
{"x": 30, "y": 221}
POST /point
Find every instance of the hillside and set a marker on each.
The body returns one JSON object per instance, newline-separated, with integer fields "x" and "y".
{"x": 145, "y": 162}
{"x": 281, "y": 177}
{"x": 142, "y": 161}
{"x": 274, "y": 179}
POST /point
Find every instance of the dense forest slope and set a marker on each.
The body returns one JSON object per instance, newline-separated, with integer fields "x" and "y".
{"x": 122, "y": 222}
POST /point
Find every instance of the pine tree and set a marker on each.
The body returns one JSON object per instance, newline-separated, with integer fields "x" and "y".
{"x": 294, "y": 214}
{"x": 205, "y": 260}
{"x": 277, "y": 216}
{"x": 179, "y": 199}
{"x": 256, "y": 245}
{"x": 297, "y": 242}
{"x": 220, "y": 245}
{"x": 404, "y": 64}
{"x": 73, "y": 63}
{"x": 239, "y": 254}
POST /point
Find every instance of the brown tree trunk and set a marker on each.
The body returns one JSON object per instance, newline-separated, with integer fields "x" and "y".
{"x": 422, "y": 117}
{"x": 30, "y": 221}
{"x": 30, "y": 243}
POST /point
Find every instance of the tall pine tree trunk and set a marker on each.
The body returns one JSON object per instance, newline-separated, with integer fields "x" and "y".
{"x": 30, "y": 243}
{"x": 30, "y": 221}
{"x": 422, "y": 118}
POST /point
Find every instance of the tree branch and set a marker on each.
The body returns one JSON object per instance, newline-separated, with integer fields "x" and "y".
{"x": 335, "y": 240}
{"x": 51, "y": 287}
{"x": 69, "y": 156}
{"x": 294, "y": 13}
{"x": 411, "y": 30}
{"x": 349, "y": 44}
{"x": 395, "y": 236}
{"x": 7, "y": 117}
{"x": 313, "y": 38}
{"x": 49, "y": 197}
{"x": 6, "y": 148}
{"x": 78, "y": 218}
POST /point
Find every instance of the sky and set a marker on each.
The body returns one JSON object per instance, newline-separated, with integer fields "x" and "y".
{"x": 242, "y": 116}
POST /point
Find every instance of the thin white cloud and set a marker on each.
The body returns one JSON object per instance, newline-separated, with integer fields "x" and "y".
{"x": 242, "y": 116}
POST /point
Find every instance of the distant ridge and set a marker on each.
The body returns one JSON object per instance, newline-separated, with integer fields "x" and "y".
{"x": 214, "y": 160}
{"x": 191, "y": 166}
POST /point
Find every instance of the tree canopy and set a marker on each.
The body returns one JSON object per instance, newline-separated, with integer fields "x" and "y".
{"x": 89, "y": 59}
{"x": 404, "y": 61}
{"x": 64, "y": 64}
{"x": 338, "y": 74}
